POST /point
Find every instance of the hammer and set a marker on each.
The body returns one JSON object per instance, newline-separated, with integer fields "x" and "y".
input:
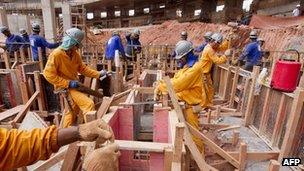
{"x": 68, "y": 101}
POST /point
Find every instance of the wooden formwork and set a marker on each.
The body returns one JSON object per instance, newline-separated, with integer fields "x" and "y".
{"x": 275, "y": 116}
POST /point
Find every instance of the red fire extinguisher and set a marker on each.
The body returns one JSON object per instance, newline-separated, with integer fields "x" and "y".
{"x": 286, "y": 74}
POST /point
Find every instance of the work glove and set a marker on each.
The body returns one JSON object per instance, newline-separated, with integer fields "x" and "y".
{"x": 228, "y": 53}
{"x": 73, "y": 84}
{"x": 102, "y": 159}
{"x": 97, "y": 130}
{"x": 104, "y": 74}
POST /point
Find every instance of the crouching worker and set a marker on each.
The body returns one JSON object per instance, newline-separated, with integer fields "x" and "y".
{"x": 187, "y": 84}
{"x": 22, "y": 148}
{"x": 62, "y": 69}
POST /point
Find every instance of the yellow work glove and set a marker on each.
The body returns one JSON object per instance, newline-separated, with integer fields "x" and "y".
{"x": 102, "y": 159}
{"x": 156, "y": 91}
{"x": 97, "y": 130}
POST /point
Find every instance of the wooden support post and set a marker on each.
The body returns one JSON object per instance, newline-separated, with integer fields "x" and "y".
{"x": 22, "y": 56}
{"x": 178, "y": 143}
{"x": 235, "y": 137}
{"x": 292, "y": 123}
{"x": 209, "y": 116}
{"x": 246, "y": 87}
{"x": 29, "y": 54}
{"x": 248, "y": 112}
{"x": 71, "y": 157}
{"x": 218, "y": 112}
{"x": 40, "y": 98}
{"x": 168, "y": 157}
{"x": 278, "y": 127}
{"x": 274, "y": 165}
{"x": 227, "y": 82}
{"x": 243, "y": 156}
{"x": 40, "y": 59}
{"x": 234, "y": 85}
{"x": 188, "y": 139}
{"x": 265, "y": 115}
{"x": 7, "y": 60}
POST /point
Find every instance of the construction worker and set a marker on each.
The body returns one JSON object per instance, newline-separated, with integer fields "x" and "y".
{"x": 133, "y": 45}
{"x": 187, "y": 84}
{"x": 13, "y": 42}
{"x": 114, "y": 44}
{"x": 38, "y": 41}
{"x": 20, "y": 148}
{"x": 297, "y": 12}
{"x": 25, "y": 36}
{"x": 62, "y": 70}
{"x": 208, "y": 58}
{"x": 251, "y": 54}
{"x": 184, "y": 35}
{"x": 207, "y": 39}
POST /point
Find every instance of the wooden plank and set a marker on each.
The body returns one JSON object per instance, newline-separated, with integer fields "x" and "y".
{"x": 200, "y": 161}
{"x": 228, "y": 128}
{"x": 168, "y": 157}
{"x": 106, "y": 102}
{"x": 274, "y": 165}
{"x": 257, "y": 156}
{"x": 235, "y": 137}
{"x": 71, "y": 157}
{"x": 292, "y": 123}
{"x": 281, "y": 116}
{"x": 265, "y": 114}
{"x": 214, "y": 146}
{"x": 233, "y": 88}
{"x": 38, "y": 85}
{"x": 51, "y": 161}
{"x": 40, "y": 59}
{"x": 22, "y": 55}
{"x": 243, "y": 156}
{"x": 11, "y": 112}
{"x": 246, "y": 87}
{"x": 227, "y": 82}
{"x": 26, "y": 107}
{"x": 7, "y": 60}
{"x": 178, "y": 143}
{"x": 248, "y": 112}
{"x": 145, "y": 90}
{"x": 142, "y": 146}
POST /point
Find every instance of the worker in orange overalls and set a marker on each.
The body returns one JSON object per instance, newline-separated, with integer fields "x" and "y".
{"x": 22, "y": 148}
{"x": 187, "y": 84}
{"x": 208, "y": 58}
{"x": 62, "y": 69}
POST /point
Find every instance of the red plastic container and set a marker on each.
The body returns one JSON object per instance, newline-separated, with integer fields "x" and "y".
{"x": 285, "y": 75}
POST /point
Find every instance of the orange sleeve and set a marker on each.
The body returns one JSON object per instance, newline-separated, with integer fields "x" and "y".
{"x": 86, "y": 70}
{"x": 23, "y": 148}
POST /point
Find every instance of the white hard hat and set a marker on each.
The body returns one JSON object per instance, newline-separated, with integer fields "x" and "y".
{"x": 217, "y": 37}
{"x": 208, "y": 35}
{"x": 182, "y": 48}
{"x": 22, "y": 31}
{"x": 3, "y": 29}
{"x": 184, "y": 33}
{"x": 298, "y": 5}
{"x": 75, "y": 34}
{"x": 36, "y": 27}
{"x": 253, "y": 34}
{"x": 136, "y": 32}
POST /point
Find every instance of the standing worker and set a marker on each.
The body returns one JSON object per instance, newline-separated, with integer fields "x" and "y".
{"x": 184, "y": 35}
{"x": 187, "y": 84}
{"x": 132, "y": 48}
{"x": 114, "y": 47}
{"x": 208, "y": 58}
{"x": 38, "y": 41}
{"x": 133, "y": 45}
{"x": 297, "y": 12}
{"x": 62, "y": 70}
{"x": 251, "y": 54}
{"x": 207, "y": 39}
{"x": 22, "y": 148}
{"x": 13, "y": 42}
